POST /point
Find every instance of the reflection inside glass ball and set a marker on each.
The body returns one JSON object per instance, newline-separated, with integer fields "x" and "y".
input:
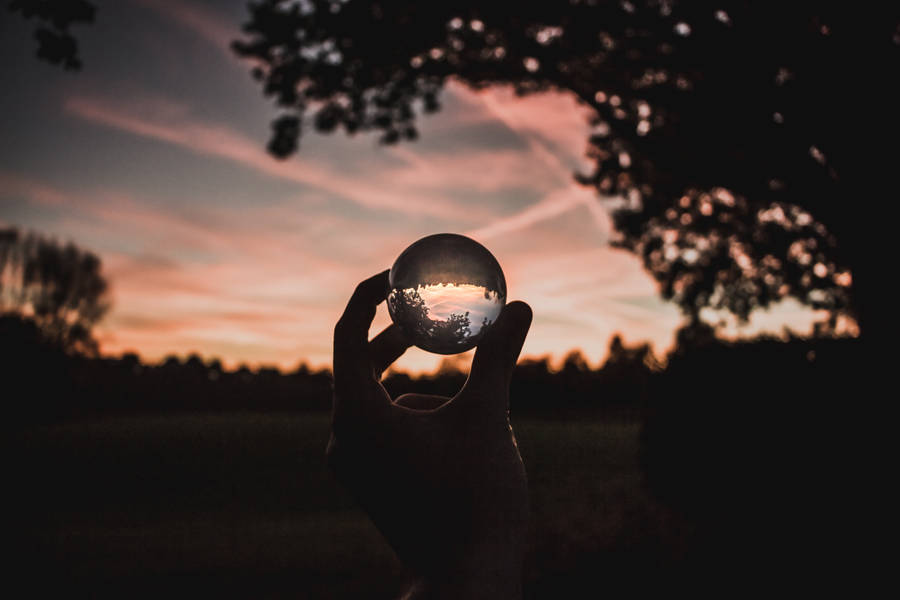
{"x": 446, "y": 292}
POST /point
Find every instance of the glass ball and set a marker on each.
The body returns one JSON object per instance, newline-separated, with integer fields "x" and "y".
{"x": 446, "y": 292}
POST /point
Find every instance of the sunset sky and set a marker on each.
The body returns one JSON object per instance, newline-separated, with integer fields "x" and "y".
{"x": 153, "y": 156}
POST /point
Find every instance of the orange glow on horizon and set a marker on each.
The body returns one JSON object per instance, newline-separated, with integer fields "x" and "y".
{"x": 249, "y": 259}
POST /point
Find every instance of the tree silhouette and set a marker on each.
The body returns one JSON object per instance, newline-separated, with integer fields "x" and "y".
{"x": 729, "y": 138}
{"x": 409, "y": 311}
{"x": 55, "y": 44}
{"x": 59, "y": 287}
{"x": 455, "y": 328}
{"x": 411, "y": 314}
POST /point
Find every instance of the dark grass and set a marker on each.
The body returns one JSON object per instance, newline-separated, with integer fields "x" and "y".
{"x": 242, "y": 506}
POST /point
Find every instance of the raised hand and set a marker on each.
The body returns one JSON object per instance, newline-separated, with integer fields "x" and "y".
{"x": 440, "y": 477}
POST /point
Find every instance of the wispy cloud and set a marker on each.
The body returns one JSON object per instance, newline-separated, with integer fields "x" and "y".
{"x": 555, "y": 128}
{"x": 206, "y": 280}
{"x": 572, "y": 305}
{"x": 554, "y": 204}
{"x": 554, "y": 122}
{"x": 36, "y": 192}
{"x": 223, "y": 142}
{"x": 210, "y": 25}
{"x": 485, "y": 172}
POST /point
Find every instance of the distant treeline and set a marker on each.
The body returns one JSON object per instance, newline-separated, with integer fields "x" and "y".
{"x": 42, "y": 382}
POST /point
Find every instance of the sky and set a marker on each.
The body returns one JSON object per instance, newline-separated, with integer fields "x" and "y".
{"x": 153, "y": 156}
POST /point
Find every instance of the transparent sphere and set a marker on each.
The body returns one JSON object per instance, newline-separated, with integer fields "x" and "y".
{"x": 446, "y": 291}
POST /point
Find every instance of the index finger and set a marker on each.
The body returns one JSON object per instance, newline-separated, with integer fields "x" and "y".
{"x": 385, "y": 348}
{"x": 351, "y": 366}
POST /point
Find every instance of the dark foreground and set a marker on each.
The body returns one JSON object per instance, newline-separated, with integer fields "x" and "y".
{"x": 242, "y": 506}
{"x": 736, "y": 467}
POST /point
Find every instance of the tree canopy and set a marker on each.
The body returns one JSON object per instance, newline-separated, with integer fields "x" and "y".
{"x": 726, "y": 135}
{"x": 59, "y": 287}
{"x": 56, "y": 44}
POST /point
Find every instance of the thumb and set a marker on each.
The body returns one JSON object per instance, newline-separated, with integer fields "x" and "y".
{"x": 496, "y": 355}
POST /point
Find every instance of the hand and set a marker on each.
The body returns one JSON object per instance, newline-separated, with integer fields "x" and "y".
{"x": 440, "y": 477}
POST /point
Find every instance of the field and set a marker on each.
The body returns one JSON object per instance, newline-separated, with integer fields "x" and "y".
{"x": 242, "y": 506}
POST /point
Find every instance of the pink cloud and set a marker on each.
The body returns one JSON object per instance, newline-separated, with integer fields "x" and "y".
{"x": 257, "y": 311}
{"x": 486, "y": 172}
{"x": 265, "y": 299}
{"x": 555, "y": 203}
{"x": 554, "y": 122}
{"x": 388, "y": 188}
{"x": 553, "y": 125}
{"x": 36, "y": 192}
{"x": 208, "y": 24}
{"x": 223, "y": 142}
